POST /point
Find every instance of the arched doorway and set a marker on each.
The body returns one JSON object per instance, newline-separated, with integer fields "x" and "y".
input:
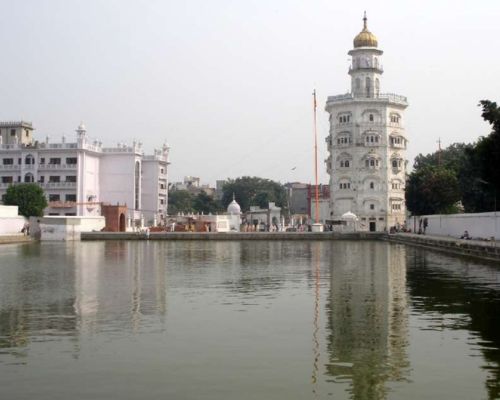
{"x": 122, "y": 223}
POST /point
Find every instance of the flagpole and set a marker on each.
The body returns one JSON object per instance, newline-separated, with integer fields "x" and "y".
{"x": 316, "y": 194}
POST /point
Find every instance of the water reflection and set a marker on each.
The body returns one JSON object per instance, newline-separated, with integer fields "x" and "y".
{"x": 55, "y": 291}
{"x": 321, "y": 319}
{"x": 117, "y": 285}
{"x": 367, "y": 317}
{"x": 458, "y": 294}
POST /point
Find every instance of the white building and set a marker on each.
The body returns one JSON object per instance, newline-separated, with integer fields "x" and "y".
{"x": 79, "y": 176}
{"x": 367, "y": 143}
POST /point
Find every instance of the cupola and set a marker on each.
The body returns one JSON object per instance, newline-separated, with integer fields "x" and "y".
{"x": 365, "y": 38}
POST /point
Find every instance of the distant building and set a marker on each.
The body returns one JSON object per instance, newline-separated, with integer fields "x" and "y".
{"x": 324, "y": 213}
{"x": 367, "y": 143}
{"x": 297, "y": 197}
{"x": 192, "y": 185}
{"x": 77, "y": 177}
{"x": 262, "y": 218}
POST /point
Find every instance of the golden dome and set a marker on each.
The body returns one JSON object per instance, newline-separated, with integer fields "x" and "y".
{"x": 365, "y": 38}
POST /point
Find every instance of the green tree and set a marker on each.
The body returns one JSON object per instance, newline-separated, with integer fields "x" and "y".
{"x": 204, "y": 203}
{"x": 29, "y": 197}
{"x": 254, "y": 191}
{"x": 486, "y": 154}
{"x": 180, "y": 201}
{"x": 432, "y": 190}
{"x": 457, "y": 158}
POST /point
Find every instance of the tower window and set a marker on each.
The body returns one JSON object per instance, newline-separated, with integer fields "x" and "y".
{"x": 372, "y": 185}
{"x": 371, "y": 117}
{"x": 372, "y": 206}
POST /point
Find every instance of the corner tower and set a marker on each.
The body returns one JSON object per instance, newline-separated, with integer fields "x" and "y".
{"x": 367, "y": 143}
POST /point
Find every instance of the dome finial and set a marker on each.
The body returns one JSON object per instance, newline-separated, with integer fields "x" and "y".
{"x": 365, "y": 38}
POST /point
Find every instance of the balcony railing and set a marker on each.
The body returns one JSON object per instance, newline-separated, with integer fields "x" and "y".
{"x": 9, "y": 167}
{"x": 57, "y": 166}
{"x": 62, "y": 204}
{"x": 58, "y": 185}
{"x": 391, "y": 97}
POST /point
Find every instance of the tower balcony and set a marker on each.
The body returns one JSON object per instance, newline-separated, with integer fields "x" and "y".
{"x": 379, "y": 69}
{"x": 382, "y": 97}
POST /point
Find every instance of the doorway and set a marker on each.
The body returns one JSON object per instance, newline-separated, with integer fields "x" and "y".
{"x": 373, "y": 226}
{"x": 122, "y": 223}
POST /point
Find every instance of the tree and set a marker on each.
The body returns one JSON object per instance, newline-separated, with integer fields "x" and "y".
{"x": 180, "y": 201}
{"x": 486, "y": 153}
{"x": 203, "y": 203}
{"x": 432, "y": 190}
{"x": 254, "y": 191}
{"x": 29, "y": 197}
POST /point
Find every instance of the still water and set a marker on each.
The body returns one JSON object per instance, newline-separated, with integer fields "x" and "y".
{"x": 246, "y": 320}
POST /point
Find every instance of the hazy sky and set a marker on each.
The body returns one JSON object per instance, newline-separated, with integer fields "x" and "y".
{"x": 228, "y": 83}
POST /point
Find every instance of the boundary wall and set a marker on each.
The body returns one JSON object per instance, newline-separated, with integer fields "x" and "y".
{"x": 479, "y": 226}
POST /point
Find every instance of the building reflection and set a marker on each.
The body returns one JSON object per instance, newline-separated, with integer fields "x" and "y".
{"x": 367, "y": 317}
{"x": 35, "y": 304}
{"x": 118, "y": 284}
{"x": 92, "y": 287}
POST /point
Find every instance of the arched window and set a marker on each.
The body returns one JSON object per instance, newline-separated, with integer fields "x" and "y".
{"x": 394, "y": 163}
{"x": 371, "y": 117}
{"x": 368, "y": 85}
{"x": 377, "y": 86}
{"x": 28, "y": 178}
{"x": 346, "y": 164}
{"x": 372, "y": 185}
{"x": 29, "y": 160}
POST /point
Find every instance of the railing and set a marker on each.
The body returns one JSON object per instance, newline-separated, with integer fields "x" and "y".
{"x": 58, "y": 185}
{"x": 57, "y": 166}
{"x": 4, "y": 124}
{"x": 377, "y": 67}
{"x": 391, "y": 97}
{"x": 62, "y": 204}
{"x": 154, "y": 157}
{"x": 9, "y": 166}
{"x": 58, "y": 145}
{"x": 10, "y": 146}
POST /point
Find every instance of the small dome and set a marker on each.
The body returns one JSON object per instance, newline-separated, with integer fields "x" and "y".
{"x": 234, "y": 207}
{"x": 81, "y": 127}
{"x": 349, "y": 216}
{"x": 365, "y": 38}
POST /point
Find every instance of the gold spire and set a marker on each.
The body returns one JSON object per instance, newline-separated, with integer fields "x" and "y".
{"x": 365, "y": 38}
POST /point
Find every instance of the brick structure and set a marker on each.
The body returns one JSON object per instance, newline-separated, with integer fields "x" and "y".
{"x": 115, "y": 217}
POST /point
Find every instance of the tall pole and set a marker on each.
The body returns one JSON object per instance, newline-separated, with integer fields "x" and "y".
{"x": 316, "y": 194}
{"x": 439, "y": 152}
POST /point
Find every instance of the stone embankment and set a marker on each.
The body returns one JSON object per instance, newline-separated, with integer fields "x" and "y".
{"x": 232, "y": 236}
{"x": 4, "y": 239}
{"x": 489, "y": 250}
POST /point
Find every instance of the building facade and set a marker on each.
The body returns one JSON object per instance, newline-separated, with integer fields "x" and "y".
{"x": 367, "y": 143}
{"x": 79, "y": 176}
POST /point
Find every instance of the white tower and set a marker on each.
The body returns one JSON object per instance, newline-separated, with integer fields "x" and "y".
{"x": 367, "y": 143}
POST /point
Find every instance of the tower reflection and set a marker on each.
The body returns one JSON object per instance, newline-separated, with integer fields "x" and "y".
{"x": 367, "y": 317}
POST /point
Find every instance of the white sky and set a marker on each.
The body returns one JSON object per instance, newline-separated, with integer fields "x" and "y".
{"x": 228, "y": 83}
